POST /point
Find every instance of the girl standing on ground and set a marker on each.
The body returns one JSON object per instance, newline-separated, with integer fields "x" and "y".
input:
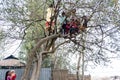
{"x": 8, "y": 75}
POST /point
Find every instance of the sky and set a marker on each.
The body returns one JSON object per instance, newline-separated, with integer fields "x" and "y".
{"x": 113, "y": 69}
{"x": 12, "y": 49}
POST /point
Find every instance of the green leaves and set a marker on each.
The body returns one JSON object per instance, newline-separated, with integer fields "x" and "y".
{"x": 113, "y": 3}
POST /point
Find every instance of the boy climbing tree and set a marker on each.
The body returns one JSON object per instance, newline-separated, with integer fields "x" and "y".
{"x": 84, "y": 22}
{"x": 62, "y": 21}
{"x": 50, "y": 19}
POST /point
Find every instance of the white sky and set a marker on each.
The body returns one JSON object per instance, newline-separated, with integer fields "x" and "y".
{"x": 11, "y": 49}
{"x": 111, "y": 70}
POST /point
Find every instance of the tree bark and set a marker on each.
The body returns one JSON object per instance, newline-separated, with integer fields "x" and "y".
{"x": 82, "y": 78}
{"x": 83, "y": 55}
{"x": 34, "y": 71}
{"x": 26, "y": 71}
{"x": 38, "y": 68}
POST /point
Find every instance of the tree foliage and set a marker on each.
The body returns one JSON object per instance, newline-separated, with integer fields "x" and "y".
{"x": 26, "y": 22}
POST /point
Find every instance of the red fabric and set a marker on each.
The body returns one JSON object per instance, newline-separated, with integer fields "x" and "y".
{"x": 48, "y": 24}
{"x": 74, "y": 25}
{"x": 67, "y": 28}
{"x": 13, "y": 77}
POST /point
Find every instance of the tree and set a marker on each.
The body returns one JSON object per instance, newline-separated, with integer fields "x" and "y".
{"x": 27, "y": 18}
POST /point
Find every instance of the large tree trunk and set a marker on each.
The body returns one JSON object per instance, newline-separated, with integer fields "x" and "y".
{"x": 33, "y": 75}
{"x": 36, "y": 71}
{"x": 27, "y": 70}
{"x": 38, "y": 68}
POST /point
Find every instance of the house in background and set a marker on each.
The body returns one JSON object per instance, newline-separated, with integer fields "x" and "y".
{"x": 11, "y": 62}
